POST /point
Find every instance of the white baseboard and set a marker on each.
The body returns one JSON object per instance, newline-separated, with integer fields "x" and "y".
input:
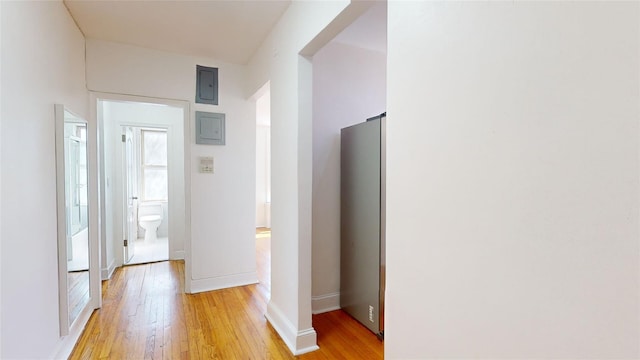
{"x": 298, "y": 341}
{"x": 67, "y": 343}
{"x": 223, "y": 282}
{"x": 105, "y": 273}
{"x": 306, "y": 341}
{"x": 325, "y": 303}
{"x": 178, "y": 255}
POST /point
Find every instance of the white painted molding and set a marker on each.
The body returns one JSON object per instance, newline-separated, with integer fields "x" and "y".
{"x": 106, "y": 273}
{"x": 306, "y": 341}
{"x": 178, "y": 255}
{"x": 282, "y": 325}
{"x": 298, "y": 342}
{"x": 223, "y": 282}
{"x": 67, "y": 343}
{"x": 325, "y": 303}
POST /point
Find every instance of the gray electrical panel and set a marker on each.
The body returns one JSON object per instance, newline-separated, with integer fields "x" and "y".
{"x": 206, "y": 85}
{"x": 210, "y": 128}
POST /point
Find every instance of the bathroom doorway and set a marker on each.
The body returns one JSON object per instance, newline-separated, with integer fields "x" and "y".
{"x": 146, "y": 202}
{"x": 161, "y": 124}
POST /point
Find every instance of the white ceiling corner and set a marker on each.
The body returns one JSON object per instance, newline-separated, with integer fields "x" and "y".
{"x": 369, "y": 31}
{"x": 226, "y": 30}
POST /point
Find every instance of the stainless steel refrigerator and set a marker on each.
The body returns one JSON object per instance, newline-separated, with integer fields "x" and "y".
{"x": 362, "y": 222}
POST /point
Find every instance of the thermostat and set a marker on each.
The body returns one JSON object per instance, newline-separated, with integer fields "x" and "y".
{"x": 206, "y": 165}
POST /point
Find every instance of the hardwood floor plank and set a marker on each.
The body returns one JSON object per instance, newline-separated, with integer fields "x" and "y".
{"x": 147, "y": 315}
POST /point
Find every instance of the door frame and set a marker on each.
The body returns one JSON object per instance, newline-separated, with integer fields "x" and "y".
{"x": 178, "y": 133}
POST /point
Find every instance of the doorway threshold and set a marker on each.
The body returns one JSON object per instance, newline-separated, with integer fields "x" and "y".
{"x": 155, "y": 251}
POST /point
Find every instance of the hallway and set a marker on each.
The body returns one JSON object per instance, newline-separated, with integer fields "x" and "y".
{"x": 146, "y": 314}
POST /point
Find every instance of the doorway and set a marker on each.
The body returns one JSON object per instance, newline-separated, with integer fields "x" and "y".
{"x": 146, "y": 201}
{"x": 162, "y": 125}
{"x": 263, "y": 185}
{"x": 263, "y": 160}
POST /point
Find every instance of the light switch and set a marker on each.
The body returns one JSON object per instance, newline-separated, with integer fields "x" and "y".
{"x": 206, "y": 165}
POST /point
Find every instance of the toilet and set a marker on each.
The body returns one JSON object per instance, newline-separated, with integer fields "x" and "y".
{"x": 149, "y": 218}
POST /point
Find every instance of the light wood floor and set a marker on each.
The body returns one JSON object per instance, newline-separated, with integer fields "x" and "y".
{"x": 78, "y": 287}
{"x": 147, "y": 315}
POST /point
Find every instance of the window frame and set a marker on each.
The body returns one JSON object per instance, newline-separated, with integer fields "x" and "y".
{"x": 144, "y": 165}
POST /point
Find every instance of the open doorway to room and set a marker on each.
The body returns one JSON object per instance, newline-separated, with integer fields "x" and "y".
{"x": 349, "y": 87}
{"x": 263, "y": 185}
{"x": 143, "y": 181}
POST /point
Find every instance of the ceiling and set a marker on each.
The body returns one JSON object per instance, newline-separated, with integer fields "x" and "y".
{"x": 227, "y": 30}
{"x": 368, "y": 31}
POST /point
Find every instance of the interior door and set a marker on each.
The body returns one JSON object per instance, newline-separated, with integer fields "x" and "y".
{"x": 130, "y": 200}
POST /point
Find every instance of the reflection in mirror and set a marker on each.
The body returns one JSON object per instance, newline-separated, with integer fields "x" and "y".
{"x": 73, "y": 229}
{"x": 75, "y": 136}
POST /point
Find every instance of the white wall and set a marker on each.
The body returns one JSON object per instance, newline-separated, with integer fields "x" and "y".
{"x": 512, "y": 180}
{"x": 1, "y": 152}
{"x": 222, "y": 209}
{"x": 303, "y": 28}
{"x": 349, "y": 86}
{"x": 42, "y": 64}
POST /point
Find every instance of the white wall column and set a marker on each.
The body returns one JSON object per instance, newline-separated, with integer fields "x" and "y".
{"x": 303, "y": 29}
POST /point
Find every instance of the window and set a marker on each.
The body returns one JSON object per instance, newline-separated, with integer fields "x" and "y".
{"x": 154, "y": 165}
